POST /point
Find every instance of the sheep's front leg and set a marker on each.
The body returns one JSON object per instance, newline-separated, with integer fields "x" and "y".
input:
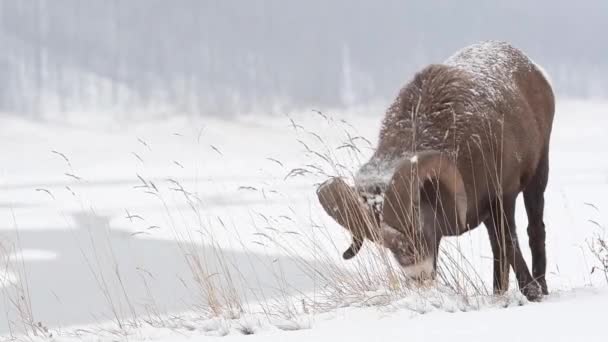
{"x": 500, "y": 262}
{"x": 503, "y": 226}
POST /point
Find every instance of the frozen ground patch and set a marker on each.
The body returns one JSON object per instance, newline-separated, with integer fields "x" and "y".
{"x": 428, "y": 317}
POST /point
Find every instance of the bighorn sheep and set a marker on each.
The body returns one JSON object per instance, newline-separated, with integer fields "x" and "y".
{"x": 457, "y": 146}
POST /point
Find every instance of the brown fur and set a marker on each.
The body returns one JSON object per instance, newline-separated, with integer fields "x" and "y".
{"x": 488, "y": 112}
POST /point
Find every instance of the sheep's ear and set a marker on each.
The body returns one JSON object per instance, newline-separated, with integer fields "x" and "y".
{"x": 409, "y": 179}
{"x": 342, "y": 203}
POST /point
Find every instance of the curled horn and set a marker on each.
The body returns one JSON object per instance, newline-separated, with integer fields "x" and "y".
{"x": 342, "y": 203}
{"x": 403, "y": 194}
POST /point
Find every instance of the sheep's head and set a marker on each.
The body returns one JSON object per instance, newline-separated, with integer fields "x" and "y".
{"x": 423, "y": 200}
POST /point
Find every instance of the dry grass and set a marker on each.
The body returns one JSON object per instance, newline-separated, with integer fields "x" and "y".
{"x": 599, "y": 249}
{"x": 15, "y": 288}
{"x": 308, "y": 238}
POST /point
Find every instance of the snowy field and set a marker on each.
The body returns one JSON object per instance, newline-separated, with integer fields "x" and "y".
{"x": 182, "y": 228}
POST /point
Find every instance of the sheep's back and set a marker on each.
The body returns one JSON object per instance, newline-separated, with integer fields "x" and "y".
{"x": 513, "y": 105}
{"x": 488, "y": 105}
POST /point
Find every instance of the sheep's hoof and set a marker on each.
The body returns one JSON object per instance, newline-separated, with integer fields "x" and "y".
{"x": 348, "y": 254}
{"x": 533, "y": 292}
{"x": 543, "y": 286}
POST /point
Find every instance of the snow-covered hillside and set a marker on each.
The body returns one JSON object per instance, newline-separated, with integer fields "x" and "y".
{"x": 153, "y": 230}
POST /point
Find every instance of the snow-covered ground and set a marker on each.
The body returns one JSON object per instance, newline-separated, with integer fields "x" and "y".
{"x": 152, "y": 230}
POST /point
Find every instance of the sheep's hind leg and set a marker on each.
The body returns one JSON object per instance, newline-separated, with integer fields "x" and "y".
{"x": 534, "y": 200}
